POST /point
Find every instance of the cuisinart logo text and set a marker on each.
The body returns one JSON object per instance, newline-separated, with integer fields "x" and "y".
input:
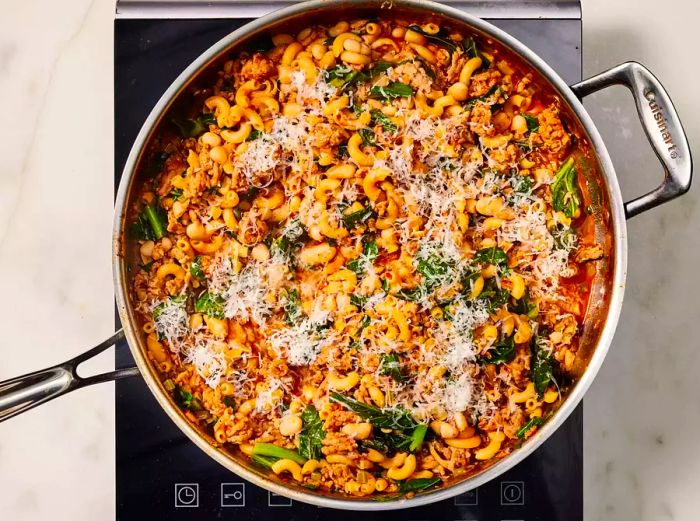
{"x": 662, "y": 124}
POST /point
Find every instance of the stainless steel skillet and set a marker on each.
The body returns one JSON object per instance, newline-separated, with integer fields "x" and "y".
{"x": 660, "y": 122}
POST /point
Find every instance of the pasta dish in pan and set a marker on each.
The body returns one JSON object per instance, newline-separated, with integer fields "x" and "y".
{"x": 366, "y": 255}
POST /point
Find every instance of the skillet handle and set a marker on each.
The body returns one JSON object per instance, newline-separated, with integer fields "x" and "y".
{"x": 22, "y": 393}
{"x": 661, "y": 125}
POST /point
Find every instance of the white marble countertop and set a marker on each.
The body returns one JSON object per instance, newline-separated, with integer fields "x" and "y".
{"x": 642, "y": 416}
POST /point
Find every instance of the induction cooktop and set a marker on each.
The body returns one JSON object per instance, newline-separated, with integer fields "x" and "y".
{"x": 161, "y": 475}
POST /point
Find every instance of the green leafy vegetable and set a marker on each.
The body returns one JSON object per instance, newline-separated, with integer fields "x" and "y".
{"x": 435, "y": 270}
{"x": 353, "y": 219}
{"x": 157, "y": 162}
{"x": 370, "y": 252}
{"x": 289, "y": 241}
{"x": 211, "y": 305}
{"x": 312, "y": 434}
{"x": 390, "y": 365}
{"x": 379, "y": 118}
{"x": 151, "y": 224}
{"x": 292, "y": 306}
{"x": 263, "y": 460}
{"x": 387, "y": 443}
{"x": 522, "y": 184}
{"x": 493, "y": 255}
{"x": 533, "y": 124}
{"x": 343, "y": 77}
{"x": 175, "y": 193}
{"x": 147, "y": 266}
{"x": 522, "y": 431}
{"x": 472, "y": 101}
{"x": 195, "y": 127}
{"x": 196, "y": 268}
{"x": 388, "y": 418}
{"x": 564, "y": 237}
{"x": 566, "y": 196}
{"x": 417, "y": 437}
{"x": 368, "y": 137}
{"x": 503, "y": 352}
{"x": 185, "y": 399}
{"x": 440, "y": 39}
{"x": 254, "y": 134}
{"x": 494, "y": 296}
{"x": 179, "y": 300}
{"x": 416, "y": 485}
{"x": 523, "y": 306}
{"x": 472, "y": 50}
{"x": 229, "y": 401}
{"x": 542, "y": 365}
{"x": 273, "y": 451}
{"x": 394, "y": 90}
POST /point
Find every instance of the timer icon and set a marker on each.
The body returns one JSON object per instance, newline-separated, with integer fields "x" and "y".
{"x": 186, "y": 495}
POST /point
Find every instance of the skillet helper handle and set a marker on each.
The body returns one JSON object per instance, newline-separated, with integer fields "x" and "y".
{"x": 22, "y": 393}
{"x": 661, "y": 125}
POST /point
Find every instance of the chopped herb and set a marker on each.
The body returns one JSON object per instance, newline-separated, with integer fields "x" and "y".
{"x": 368, "y": 137}
{"x": 533, "y": 124}
{"x": 195, "y": 127}
{"x": 329, "y": 41}
{"x": 390, "y": 365}
{"x": 566, "y": 196}
{"x": 254, "y": 134}
{"x": 196, "y": 269}
{"x": 211, "y": 305}
{"x": 147, "y": 266}
{"x": 522, "y": 431}
{"x": 503, "y": 352}
{"x": 493, "y": 255}
{"x": 388, "y": 418}
{"x": 394, "y": 90}
{"x": 379, "y": 118}
{"x": 229, "y": 401}
{"x": 250, "y": 194}
{"x": 312, "y": 434}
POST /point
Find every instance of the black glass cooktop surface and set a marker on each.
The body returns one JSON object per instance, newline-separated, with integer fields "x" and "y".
{"x": 162, "y": 475}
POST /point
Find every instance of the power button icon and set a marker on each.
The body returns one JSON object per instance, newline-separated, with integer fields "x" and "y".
{"x": 512, "y": 493}
{"x": 186, "y": 495}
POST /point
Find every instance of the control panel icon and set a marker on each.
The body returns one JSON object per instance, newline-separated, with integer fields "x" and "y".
{"x": 186, "y": 495}
{"x": 512, "y": 493}
{"x": 275, "y": 500}
{"x": 469, "y": 498}
{"x": 233, "y": 494}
